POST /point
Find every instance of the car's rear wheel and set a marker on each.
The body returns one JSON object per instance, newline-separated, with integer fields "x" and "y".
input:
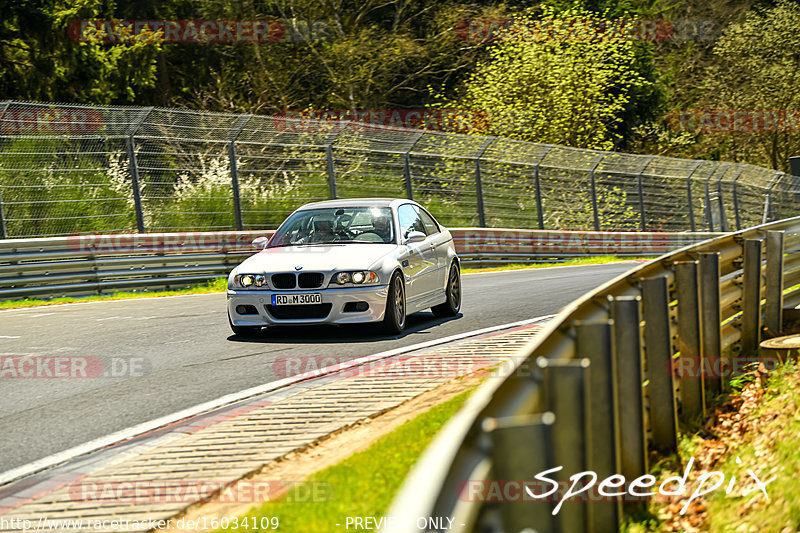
{"x": 453, "y": 304}
{"x": 394, "y": 319}
{"x": 244, "y": 331}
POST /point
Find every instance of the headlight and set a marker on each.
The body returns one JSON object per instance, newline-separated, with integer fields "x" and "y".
{"x": 359, "y": 277}
{"x": 249, "y": 280}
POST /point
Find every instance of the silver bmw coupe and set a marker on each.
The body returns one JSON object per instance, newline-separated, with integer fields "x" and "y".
{"x": 347, "y": 262}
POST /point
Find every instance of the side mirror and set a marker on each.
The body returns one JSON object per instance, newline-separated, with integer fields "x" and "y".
{"x": 414, "y": 236}
{"x": 260, "y": 242}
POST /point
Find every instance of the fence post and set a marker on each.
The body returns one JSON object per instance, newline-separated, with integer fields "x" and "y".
{"x": 3, "y": 234}
{"x": 565, "y": 385}
{"x": 711, "y": 318}
{"x": 537, "y": 184}
{"x": 508, "y": 436}
{"x": 689, "y": 200}
{"x": 723, "y": 216}
{"x": 773, "y": 314}
{"x": 794, "y": 170}
{"x": 237, "y": 200}
{"x": 134, "y": 167}
{"x": 690, "y": 340}
{"x": 329, "y": 164}
{"x": 595, "y": 342}
{"x": 595, "y": 210}
{"x": 407, "y": 167}
{"x": 643, "y": 222}
{"x": 708, "y": 214}
{"x": 3, "y": 231}
{"x": 658, "y": 352}
{"x": 768, "y": 201}
{"x": 630, "y": 379}
{"x": 478, "y": 181}
{"x": 751, "y": 297}
{"x": 735, "y": 189}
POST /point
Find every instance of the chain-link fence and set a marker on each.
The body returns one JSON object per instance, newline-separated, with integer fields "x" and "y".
{"x": 67, "y": 169}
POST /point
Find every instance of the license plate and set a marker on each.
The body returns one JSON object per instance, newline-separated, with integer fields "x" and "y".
{"x": 296, "y": 299}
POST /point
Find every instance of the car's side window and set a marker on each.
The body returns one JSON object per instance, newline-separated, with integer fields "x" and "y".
{"x": 409, "y": 220}
{"x": 431, "y": 227}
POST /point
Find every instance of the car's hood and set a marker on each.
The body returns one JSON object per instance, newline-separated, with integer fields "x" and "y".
{"x": 318, "y": 257}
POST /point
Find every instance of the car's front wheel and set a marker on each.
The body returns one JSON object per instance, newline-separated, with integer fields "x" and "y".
{"x": 453, "y": 304}
{"x": 244, "y": 331}
{"x": 394, "y": 319}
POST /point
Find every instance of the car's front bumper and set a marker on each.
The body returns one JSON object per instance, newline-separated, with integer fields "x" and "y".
{"x": 375, "y": 296}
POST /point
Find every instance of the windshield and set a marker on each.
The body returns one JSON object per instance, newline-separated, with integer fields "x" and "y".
{"x": 336, "y": 225}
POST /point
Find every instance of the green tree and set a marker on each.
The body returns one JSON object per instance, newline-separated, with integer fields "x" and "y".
{"x": 550, "y": 90}
{"x": 758, "y": 69}
{"x": 39, "y": 60}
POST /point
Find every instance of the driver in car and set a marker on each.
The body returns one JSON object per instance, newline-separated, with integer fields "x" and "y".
{"x": 382, "y": 228}
{"x": 323, "y": 232}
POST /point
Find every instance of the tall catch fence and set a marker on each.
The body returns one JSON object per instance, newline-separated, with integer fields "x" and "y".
{"x": 69, "y": 169}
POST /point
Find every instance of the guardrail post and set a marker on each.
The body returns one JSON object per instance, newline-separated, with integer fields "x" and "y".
{"x": 595, "y": 342}
{"x": 658, "y": 353}
{"x": 773, "y": 314}
{"x": 630, "y": 379}
{"x": 566, "y": 394}
{"x": 711, "y": 320}
{"x": 407, "y": 167}
{"x": 133, "y": 167}
{"x": 508, "y": 437}
{"x": 691, "y": 365}
{"x": 478, "y": 181}
{"x": 751, "y": 297}
{"x": 237, "y": 200}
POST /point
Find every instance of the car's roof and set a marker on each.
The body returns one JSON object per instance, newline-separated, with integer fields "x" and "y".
{"x": 356, "y": 202}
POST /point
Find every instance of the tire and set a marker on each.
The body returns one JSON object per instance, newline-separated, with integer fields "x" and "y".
{"x": 394, "y": 319}
{"x": 244, "y": 331}
{"x": 453, "y": 304}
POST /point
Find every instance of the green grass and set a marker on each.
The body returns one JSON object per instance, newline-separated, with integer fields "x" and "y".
{"x": 365, "y": 483}
{"x": 220, "y": 285}
{"x": 215, "y": 285}
{"x": 771, "y": 451}
{"x": 594, "y": 260}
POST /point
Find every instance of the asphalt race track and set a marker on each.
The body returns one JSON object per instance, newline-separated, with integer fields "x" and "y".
{"x": 168, "y": 354}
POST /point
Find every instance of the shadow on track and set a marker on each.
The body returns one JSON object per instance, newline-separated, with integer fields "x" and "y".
{"x": 422, "y": 323}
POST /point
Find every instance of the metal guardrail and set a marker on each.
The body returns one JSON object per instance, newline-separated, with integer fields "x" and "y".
{"x": 97, "y": 264}
{"x": 604, "y": 384}
{"x": 68, "y": 169}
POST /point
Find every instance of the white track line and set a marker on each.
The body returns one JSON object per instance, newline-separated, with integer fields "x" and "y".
{"x": 125, "y": 434}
